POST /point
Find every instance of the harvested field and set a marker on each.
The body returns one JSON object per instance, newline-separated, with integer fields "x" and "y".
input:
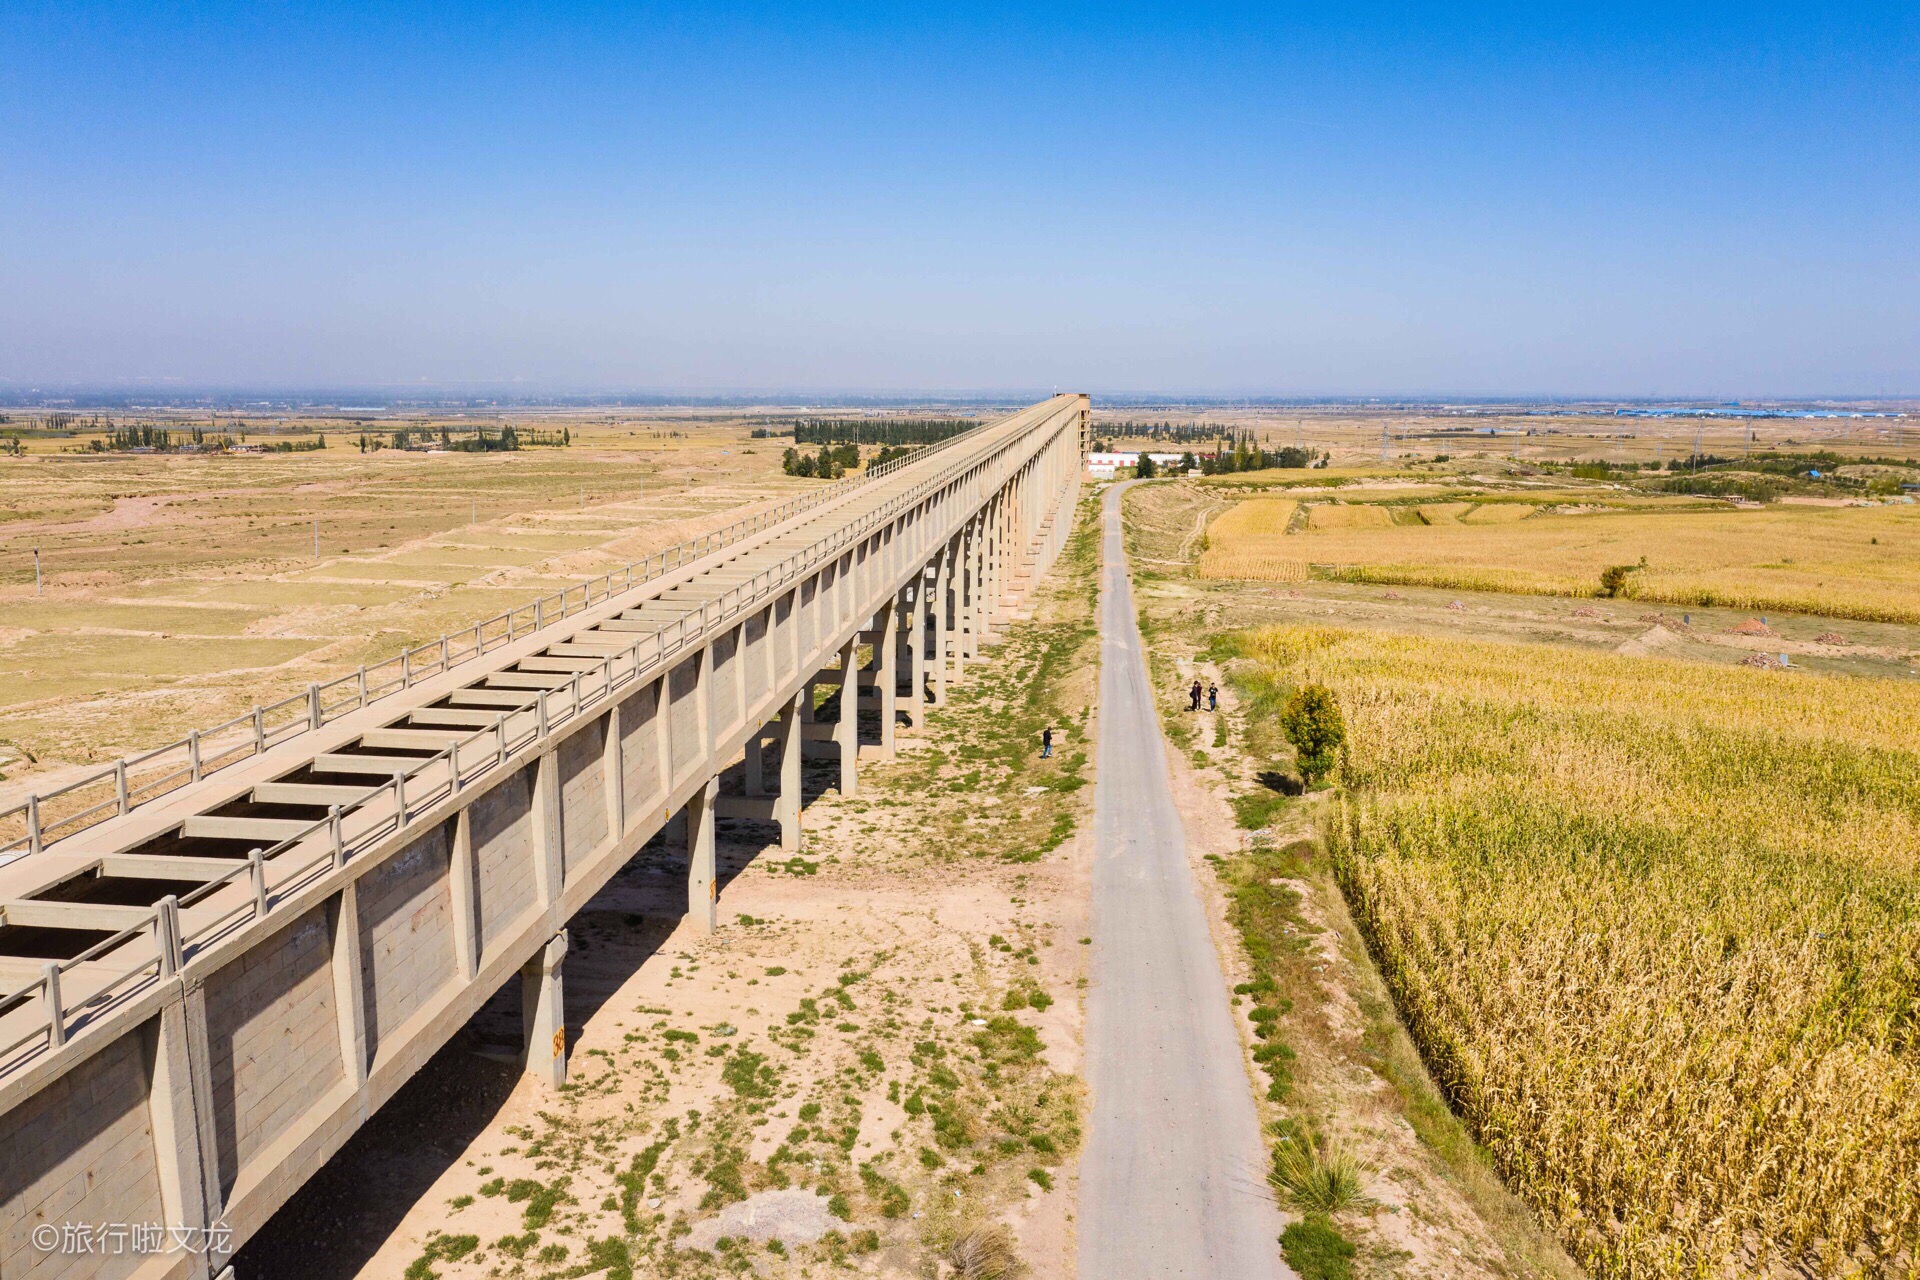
{"x": 1499, "y": 513}
{"x": 1249, "y": 542}
{"x": 1334, "y": 515}
{"x": 1851, "y": 562}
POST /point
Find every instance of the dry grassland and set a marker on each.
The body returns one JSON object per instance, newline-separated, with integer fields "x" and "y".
{"x": 180, "y": 589}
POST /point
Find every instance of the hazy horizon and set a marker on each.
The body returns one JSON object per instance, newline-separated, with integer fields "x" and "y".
{"x": 1706, "y": 202}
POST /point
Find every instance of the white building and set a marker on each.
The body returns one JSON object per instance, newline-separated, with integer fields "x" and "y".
{"x": 1102, "y": 466}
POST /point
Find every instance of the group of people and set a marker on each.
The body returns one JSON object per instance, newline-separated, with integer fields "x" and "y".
{"x": 1211, "y": 693}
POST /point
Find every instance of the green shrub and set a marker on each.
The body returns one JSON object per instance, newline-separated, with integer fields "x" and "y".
{"x": 1313, "y": 724}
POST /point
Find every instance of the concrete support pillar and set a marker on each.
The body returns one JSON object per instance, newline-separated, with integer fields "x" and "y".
{"x": 942, "y": 631}
{"x": 846, "y": 734}
{"x": 969, "y": 627}
{"x": 756, "y": 765}
{"x": 543, "y": 1012}
{"x": 917, "y": 651}
{"x": 703, "y": 879}
{"x": 888, "y": 653}
{"x": 788, "y": 810}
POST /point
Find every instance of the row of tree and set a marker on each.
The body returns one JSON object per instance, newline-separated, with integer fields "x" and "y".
{"x": 878, "y": 430}
{"x": 1242, "y": 454}
{"x": 510, "y": 439}
{"x": 148, "y": 438}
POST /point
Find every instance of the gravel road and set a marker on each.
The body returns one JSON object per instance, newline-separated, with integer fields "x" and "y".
{"x": 1172, "y": 1182}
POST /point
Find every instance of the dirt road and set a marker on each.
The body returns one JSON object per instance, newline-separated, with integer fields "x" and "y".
{"x": 1172, "y": 1181}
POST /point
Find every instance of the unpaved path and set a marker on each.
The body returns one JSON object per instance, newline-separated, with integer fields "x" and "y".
{"x": 1172, "y": 1180}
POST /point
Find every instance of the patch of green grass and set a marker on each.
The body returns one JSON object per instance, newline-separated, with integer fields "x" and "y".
{"x": 1315, "y": 1249}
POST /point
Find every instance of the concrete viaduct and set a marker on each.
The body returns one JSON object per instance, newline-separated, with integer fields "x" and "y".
{"x": 209, "y": 988}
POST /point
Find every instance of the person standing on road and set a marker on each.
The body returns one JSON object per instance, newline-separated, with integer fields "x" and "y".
{"x": 1193, "y": 696}
{"x": 1046, "y": 742}
{"x": 1213, "y": 696}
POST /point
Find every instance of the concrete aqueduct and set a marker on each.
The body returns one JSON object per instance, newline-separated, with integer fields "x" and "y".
{"x": 213, "y": 980}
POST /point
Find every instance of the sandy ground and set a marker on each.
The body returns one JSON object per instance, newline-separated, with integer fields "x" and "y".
{"x": 888, "y": 1025}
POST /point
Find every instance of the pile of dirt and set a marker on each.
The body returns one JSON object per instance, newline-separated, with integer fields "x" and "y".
{"x": 1764, "y": 661}
{"x": 1392, "y": 595}
{"x": 1751, "y": 627}
{"x": 1457, "y": 605}
{"x": 1829, "y": 637}
{"x": 1587, "y": 611}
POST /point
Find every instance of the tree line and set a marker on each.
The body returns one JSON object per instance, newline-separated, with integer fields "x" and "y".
{"x": 509, "y": 440}
{"x": 878, "y": 430}
{"x": 1240, "y": 453}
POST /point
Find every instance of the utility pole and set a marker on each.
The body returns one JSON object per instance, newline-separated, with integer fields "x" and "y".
{"x": 36, "y": 571}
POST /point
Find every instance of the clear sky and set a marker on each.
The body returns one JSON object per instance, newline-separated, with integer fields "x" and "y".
{"x": 1291, "y": 199}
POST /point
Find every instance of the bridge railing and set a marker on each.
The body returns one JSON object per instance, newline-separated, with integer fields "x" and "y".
{"x": 409, "y": 791}
{"x": 133, "y": 780}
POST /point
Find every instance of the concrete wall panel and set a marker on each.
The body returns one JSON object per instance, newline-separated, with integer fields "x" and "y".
{"x": 755, "y": 657}
{"x": 583, "y": 795}
{"x": 640, "y": 751}
{"x": 809, "y": 619}
{"x": 503, "y": 855}
{"x": 273, "y": 1038}
{"x": 406, "y": 933}
{"x": 723, "y": 706}
{"x": 683, "y": 686}
{"x": 80, "y": 1151}
{"x": 783, "y": 635}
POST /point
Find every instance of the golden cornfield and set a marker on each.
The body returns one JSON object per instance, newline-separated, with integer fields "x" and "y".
{"x": 1333, "y": 515}
{"x": 1656, "y": 928}
{"x": 1842, "y": 562}
{"x": 1248, "y": 542}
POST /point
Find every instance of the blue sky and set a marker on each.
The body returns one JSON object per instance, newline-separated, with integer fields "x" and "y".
{"x": 1339, "y": 199}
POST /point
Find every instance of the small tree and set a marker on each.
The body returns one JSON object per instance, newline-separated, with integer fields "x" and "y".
{"x": 1312, "y": 722}
{"x": 1614, "y": 580}
{"x": 1143, "y": 470}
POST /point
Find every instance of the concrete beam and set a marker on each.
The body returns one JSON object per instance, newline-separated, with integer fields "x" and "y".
{"x": 42, "y": 913}
{"x": 307, "y": 793}
{"x": 141, "y": 866}
{"x": 263, "y": 831}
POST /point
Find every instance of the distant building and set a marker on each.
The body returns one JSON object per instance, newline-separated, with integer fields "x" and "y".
{"x": 1104, "y": 465}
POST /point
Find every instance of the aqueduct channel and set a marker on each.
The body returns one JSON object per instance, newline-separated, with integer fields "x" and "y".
{"x": 212, "y": 983}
